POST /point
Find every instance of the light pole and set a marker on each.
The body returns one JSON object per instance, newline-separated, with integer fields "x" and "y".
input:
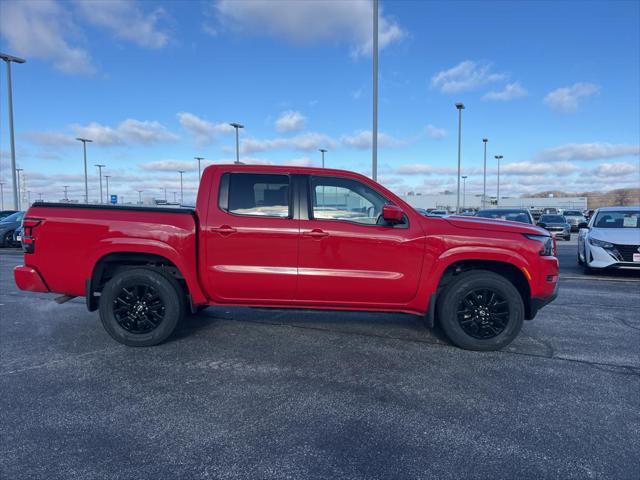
{"x": 174, "y": 197}
{"x": 107, "y": 177}
{"x": 1, "y": 195}
{"x": 460, "y": 107}
{"x": 165, "y": 194}
{"x": 8, "y": 59}
{"x": 374, "y": 133}
{"x": 498, "y": 158}
{"x": 181, "y": 190}
{"x": 323, "y": 151}
{"x": 484, "y": 184}
{"x": 86, "y": 184}
{"x": 140, "y": 197}
{"x": 66, "y": 197}
{"x": 464, "y": 191}
{"x": 100, "y": 167}
{"x": 39, "y": 197}
{"x": 237, "y": 126}
{"x": 199, "y": 159}
{"x": 19, "y": 204}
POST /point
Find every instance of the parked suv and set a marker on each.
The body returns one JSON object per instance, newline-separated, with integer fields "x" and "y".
{"x": 574, "y": 218}
{"x": 513, "y": 214}
{"x": 557, "y": 225}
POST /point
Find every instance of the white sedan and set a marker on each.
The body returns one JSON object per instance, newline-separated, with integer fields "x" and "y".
{"x": 611, "y": 239}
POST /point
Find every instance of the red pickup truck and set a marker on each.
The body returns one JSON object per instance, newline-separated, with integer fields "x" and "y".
{"x": 289, "y": 237}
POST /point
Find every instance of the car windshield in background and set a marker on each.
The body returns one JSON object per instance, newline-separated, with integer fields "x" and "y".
{"x": 511, "y": 215}
{"x": 552, "y": 219}
{"x": 618, "y": 219}
{"x": 572, "y": 213}
{"x": 16, "y": 217}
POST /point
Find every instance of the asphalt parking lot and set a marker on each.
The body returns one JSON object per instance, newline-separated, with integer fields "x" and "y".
{"x": 252, "y": 393}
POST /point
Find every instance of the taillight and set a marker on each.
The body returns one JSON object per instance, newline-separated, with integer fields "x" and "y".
{"x": 28, "y": 241}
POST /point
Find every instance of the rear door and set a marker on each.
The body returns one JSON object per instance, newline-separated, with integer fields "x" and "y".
{"x": 251, "y": 238}
{"x": 348, "y": 255}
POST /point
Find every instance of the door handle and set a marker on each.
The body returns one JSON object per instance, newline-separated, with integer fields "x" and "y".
{"x": 315, "y": 233}
{"x": 223, "y": 230}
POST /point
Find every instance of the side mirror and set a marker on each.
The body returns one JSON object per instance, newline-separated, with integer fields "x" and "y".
{"x": 392, "y": 213}
{"x": 542, "y": 225}
{"x": 583, "y": 225}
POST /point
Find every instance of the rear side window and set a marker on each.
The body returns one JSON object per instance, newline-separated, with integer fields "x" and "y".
{"x": 256, "y": 194}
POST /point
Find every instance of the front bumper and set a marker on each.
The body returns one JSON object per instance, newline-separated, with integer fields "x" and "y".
{"x": 601, "y": 258}
{"x": 538, "y": 302}
{"x": 28, "y": 278}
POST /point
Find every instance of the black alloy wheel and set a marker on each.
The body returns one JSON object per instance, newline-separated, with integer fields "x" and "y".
{"x": 139, "y": 309}
{"x": 483, "y": 313}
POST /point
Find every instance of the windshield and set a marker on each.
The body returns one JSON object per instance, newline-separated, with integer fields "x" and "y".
{"x": 552, "y": 219}
{"x": 618, "y": 219}
{"x": 16, "y": 217}
{"x": 572, "y": 213}
{"x": 512, "y": 215}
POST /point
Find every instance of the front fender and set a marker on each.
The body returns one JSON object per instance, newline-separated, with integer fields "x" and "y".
{"x": 108, "y": 246}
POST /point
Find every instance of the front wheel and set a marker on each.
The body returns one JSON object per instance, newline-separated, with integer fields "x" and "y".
{"x": 481, "y": 310}
{"x": 140, "y": 307}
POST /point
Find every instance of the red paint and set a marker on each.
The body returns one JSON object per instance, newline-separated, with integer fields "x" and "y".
{"x": 286, "y": 262}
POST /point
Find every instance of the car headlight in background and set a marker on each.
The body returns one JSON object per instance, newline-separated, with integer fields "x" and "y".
{"x": 600, "y": 243}
{"x": 548, "y": 249}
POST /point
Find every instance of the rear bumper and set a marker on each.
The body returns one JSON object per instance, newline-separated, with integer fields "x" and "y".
{"x": 28, "y": 278}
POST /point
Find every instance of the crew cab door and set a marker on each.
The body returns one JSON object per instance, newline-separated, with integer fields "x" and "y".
{"x": 348, "y": 255}
{"x": 251, "y": 238}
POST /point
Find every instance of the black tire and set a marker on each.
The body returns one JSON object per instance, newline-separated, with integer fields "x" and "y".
{"x": 499, "y": 320}
{"x": 129, "y": 308}
{"x": 568, "y": 238}
{"x": 7, "y": 239}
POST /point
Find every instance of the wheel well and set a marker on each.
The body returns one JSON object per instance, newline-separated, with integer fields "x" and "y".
{"x": 507, "y": 270}
{"x": 111, "y": 264}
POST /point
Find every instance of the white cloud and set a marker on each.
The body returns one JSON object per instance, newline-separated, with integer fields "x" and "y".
{"x": 467, "y": 75}
{"x": 536, "y": 168}
{"x": 607, "y": 170}
{"x": 567, "y": 99}
{"x": 44, "y": 29}
{"x": 309, "y": 21}
{"x": 424, "y": 169}
{"x": 511, "y": 91}
{"x": 170, "y": 166}
{"x": 203, "y": 131}
{"x": 363, "y": 140}
{"x": 435, "y": 133}
{"x": 126, "y": 20}
{"x": 50, "y": 139}
{"x": 290, "y": 121}
{"x": 130, "y": 131}
{"x": 588, "y": 151}
{"x": 304, "y": 142}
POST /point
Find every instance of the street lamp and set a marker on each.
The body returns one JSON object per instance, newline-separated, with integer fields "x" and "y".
{"x": 498, "y": 158}
{"x": 484, "y": 184}
{"x": 174, "y": 197}
{"x": 1, "y": 195}
{"x": 464, "y": 191}
{"x": 139, "y": 197}
{"x": 100, "y": 167}
{"x": 39, "y": 197}
{"x": 323, "y": 151}
{"x": 86, "y": 184}
{"x": 66, "y": 197}
{"x": 199, "y": 159}
{"x": 460, "y": 107}
{"x": 165, "y": 194}
{"x": 19, "y": 204}
{"x": 8, "y": 59}
{"x": 374, "y": 133}
{"x": 181, "y": 190}
{"x": 237, "y": 126}
{"x": 107, "y": 177}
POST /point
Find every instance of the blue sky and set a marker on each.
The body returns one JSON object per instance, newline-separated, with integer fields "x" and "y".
{"x": 553, "y": 85}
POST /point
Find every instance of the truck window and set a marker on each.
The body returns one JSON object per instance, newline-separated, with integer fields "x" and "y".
{"x": 258, "y": 194}
{"x": 336, "y": 198}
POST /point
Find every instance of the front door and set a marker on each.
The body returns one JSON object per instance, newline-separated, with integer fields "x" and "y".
{"x": 252, "y": 239}
{"x": 348, "y": 255}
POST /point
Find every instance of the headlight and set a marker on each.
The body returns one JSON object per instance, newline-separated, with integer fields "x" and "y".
{"x": 600, "y": 243}
{"x": 547, "y": 249}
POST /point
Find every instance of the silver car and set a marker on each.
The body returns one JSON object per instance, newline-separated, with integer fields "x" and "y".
{"x": 574, "y": 218}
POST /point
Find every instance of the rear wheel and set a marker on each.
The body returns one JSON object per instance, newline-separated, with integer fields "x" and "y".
{"x": 481, "y": 310}
{"x": 141, "y": 307}
{"x": 7, "y": 240}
